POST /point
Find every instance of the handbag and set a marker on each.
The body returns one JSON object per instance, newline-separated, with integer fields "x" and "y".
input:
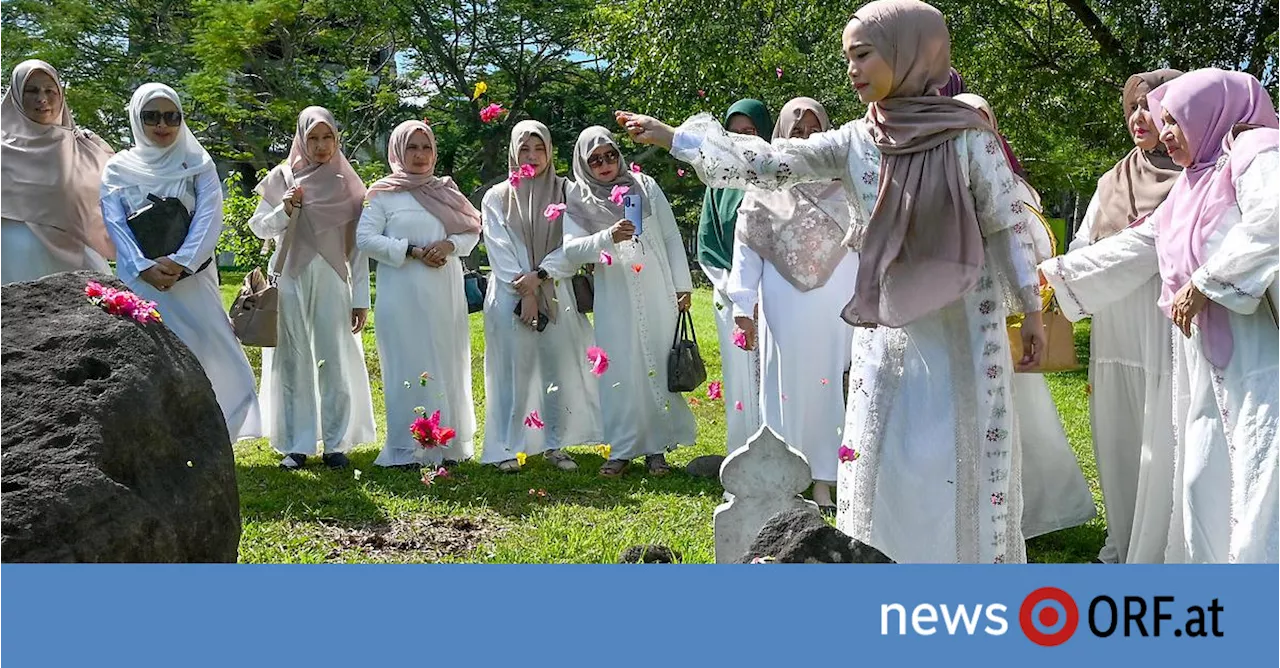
{"x": 160, "y": 228}
{"x": 1060, "y": 341}
{"x": 474, "y": 286}
{"x": 254, "y": 312}
{"x": 685, "y": 370}
{"x": 584, "y": 290}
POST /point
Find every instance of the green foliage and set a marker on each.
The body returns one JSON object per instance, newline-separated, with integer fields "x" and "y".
{"x": 236, "y": 237}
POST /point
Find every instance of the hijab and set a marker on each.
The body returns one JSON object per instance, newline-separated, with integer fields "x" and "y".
{"x": 1207, "y": 104}
{"x": 1142, "y": 179}
{"x": 438, "y": 195}
{"x": 923, "y": 247}
{"x": 797, "y": 229}
{"x": 590, "y": 205}
{"x": 526, "y": 206}
{"x": 154, "y": 168}
{"x": 720, "y": 205}
{"x": 51, "y": 174}
{"x": 954, "y": 86}
{"x": 332, "y": 201}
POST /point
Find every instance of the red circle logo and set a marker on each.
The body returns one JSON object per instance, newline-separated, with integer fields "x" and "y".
{"x": 1042, "y": 622}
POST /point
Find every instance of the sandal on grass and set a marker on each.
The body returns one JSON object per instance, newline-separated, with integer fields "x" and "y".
{"x": 509, "y": 466}
{"x": 613, "y": 468}
{"x": 657, "y": 465}
{"x": 561, "y": 460}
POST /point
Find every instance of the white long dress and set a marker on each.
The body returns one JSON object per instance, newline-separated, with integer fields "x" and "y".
{"x": 422, "y": 327}
{"x": 804, "y": 346}
{"x": 1055, "y": 494}
{"x": 526, "y": 370}
{"x": 192, "y": 308}
{"x": 739, "y": 369}
{"x": 315, "y": 387}
{"x": 1131, "y": 417}
{"x": 937, "y": 476}
{"x": 1225, "y": 419}
{"x": 26, "y": 258}
{"x": 635, "y": 323}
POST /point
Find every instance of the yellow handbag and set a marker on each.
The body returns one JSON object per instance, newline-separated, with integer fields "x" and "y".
{"x": 1059, "y": 334}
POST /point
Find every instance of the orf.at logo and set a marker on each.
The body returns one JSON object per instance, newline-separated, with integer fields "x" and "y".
{"x": 1048, "y": 616}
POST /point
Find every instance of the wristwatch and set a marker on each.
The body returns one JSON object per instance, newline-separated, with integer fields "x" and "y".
{"x": 542, "y": 274}
{"x": 408, "y": 250}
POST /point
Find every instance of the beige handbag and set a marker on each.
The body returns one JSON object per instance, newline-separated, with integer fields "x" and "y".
{"x": 1059, "y": 333}
{"x": 256, "y": 308}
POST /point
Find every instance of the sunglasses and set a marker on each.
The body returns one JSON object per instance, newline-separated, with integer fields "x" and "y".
{"x": 171, "y": 118}
{"x": 597, "y": 160}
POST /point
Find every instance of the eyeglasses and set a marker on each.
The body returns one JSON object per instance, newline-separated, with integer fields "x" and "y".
{"x": 152, "y": 118}
{"x": 597, "y": 160}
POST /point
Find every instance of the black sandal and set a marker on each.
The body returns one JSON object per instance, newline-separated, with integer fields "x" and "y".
{"x": 613, "y": 468}
{"x": 657, "y": 465}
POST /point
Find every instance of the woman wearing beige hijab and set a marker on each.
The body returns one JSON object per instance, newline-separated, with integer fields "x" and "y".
{"x": 790, "y": 259}
{"x": 315, "y": 387}
{"x": 930, "y": 471}
{"x": 540, "y": 396}
{"x": 51, "y": 170}
{"x": 1055, "y": 493}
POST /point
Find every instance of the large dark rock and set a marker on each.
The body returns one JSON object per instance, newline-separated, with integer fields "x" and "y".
{"x": 114, "y": 448}
{"x": 801, "y": 536}
{"x": 706, "y": 466}
{"x": 649, "y": 554}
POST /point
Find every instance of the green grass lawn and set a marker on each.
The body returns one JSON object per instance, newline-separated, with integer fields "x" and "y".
{"x": 540, "y": 515}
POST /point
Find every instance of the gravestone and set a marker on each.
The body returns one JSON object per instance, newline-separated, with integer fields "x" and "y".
{"x": 763, "y": 478}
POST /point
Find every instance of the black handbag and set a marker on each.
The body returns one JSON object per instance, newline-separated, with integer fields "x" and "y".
{"x": 160, "y": 228}
{"x": 541, "y": 322}
{"x": 474, "y": 285}
{"x": 584, "y": 290}
{"x": 685, "y": 370}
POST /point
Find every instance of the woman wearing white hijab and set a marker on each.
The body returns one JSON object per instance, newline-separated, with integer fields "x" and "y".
{"x": 315, "y": 386}
{"x": 789, "y": 257}
{"x": 52, "y": 219}
{"x": 1055, "y": 494}
{"x": 539, "y": 394}
{"x": 167, "y": 161}
{"x": 417, "y": 226}
{"x": 641, "y": 284}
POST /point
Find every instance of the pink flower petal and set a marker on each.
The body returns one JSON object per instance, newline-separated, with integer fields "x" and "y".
{"x": 824, "y": 381}
{"x": 680, "y": 173}
{"x": 534, "y": 421}
{"x": 616, "y": 194}
{"x": 737, "y": 405}
{"x": 848, "y": 454}
{"x": 637, "y": 267}
{"x": 635, "y": 169}
{"x": 491, "y": 113}
{"x": 779, "y": 71}
{"x": 606, "y": 258}
{"x": 599, "y": 360}
{"x": 715, "y": 390}
{"x": 553, "y": 211}
{"x": 740, "y": 339}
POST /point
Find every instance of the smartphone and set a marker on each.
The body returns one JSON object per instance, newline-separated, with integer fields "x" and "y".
{"x": 633, "y": 210}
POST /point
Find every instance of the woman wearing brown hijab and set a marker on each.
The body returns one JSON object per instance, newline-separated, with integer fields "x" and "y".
{"x": 930, "y": 471}
{"x": 1129, "y": 362}
{"x": 52, "y": 219}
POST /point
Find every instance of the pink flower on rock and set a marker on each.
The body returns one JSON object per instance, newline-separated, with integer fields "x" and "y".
{"x": 491, "y": 113}
{"x": 553, "y": 211}
{"x": 598, "y": 359}
{"x": 606, "y": 258}
{"x": 616, "y": 194}
{"x": 534, "y": 421}
{"x": 715, "y": 390}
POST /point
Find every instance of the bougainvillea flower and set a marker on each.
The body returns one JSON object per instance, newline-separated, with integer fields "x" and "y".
{"x": 491, "y": 113}
{"x": 715, "y": 390}
{"x": 553, "y": 211}
{"x": 534, "y": 421}
{"x": 616, "y": 194}
{"x": 606, "y": 258}
{"x": 599, "y": 360}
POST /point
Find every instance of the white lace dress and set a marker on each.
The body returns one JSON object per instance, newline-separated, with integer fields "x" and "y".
{"x": 930, "y": 415}
{"x": 1224, "y": 505}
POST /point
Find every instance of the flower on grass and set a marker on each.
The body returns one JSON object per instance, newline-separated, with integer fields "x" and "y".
{"x": 534, "y": 421}
{"x": 521, "y": 457}
{"x": 491, "y": 113}
{"x": 702, "y": 93}
{"x": 599, "y": 360}
{"x": 604, "y": 450}
{"x": 616, "y": 194}
{"x": 553, "y": 211}
{"x": 357, "y": 474}
{"x": 693, "y": 401}
{"x": 715, "y": 390}
{"x": 429, "y": 476}
{"x": 540, "y": 493}
{"x": 606, "y": 258}
{"x": 848, "y": 454}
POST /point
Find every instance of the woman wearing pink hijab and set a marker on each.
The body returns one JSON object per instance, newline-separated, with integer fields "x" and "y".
{"x": 1212, "y": 242}
{"x": 51, "y": 171}
{"x": 315, "y": 387}
{"x": 930, "y": 466}
{"x": 418, "y": 226}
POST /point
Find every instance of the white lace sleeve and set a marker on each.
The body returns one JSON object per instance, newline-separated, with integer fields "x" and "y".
{"x": 1002, "y": 215}
{"x": 1087, "y": 279}
{"x": 725, "y": 160}
{"x": 1245, "y": 265}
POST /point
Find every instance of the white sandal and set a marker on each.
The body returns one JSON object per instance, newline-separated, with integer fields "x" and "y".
{"x": 561, "y": 460}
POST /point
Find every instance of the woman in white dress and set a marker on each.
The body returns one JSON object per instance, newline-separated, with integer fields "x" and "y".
{"x": 932, "y": 467}
{"x": 539, "y": 395}
{"x": 639, "y": 291}
{"x": 167, "y": 161}
{"x": 1225, "y": 350}
{"x": 315, "y": 387}
{"x": 418, "y": 226}
{"x": 1129, "y": 362}
{"x": 740, "y": 369}
{"x": 789, "y": 258}
{"x": 51, "y": 170}
{"x": 1055, "y": 494}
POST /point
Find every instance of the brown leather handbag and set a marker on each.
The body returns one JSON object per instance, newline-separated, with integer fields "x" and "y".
{"x": 255, "y": 310}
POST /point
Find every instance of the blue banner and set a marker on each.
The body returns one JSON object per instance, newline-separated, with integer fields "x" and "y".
{"x": 1082, "y": 616}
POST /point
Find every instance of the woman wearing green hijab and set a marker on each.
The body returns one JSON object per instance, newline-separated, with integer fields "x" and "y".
{"x": 741, "y": 368}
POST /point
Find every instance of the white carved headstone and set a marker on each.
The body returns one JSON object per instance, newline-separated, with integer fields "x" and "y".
{"x": 762, "y": 479}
